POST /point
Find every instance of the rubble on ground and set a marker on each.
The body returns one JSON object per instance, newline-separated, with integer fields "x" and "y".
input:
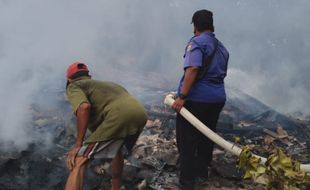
{"x": 154, "y": 162}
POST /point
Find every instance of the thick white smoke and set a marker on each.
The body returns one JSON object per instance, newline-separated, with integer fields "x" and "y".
{"x": 268, "y": 41}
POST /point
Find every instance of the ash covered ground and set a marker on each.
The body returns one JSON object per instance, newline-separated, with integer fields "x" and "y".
{"x": 154, "y": 162}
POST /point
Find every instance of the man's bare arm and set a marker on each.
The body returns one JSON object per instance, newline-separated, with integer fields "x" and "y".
{"x": 82, "y": 122}
{"x": 189, "y": 79}
{"x": 190, "y": 76}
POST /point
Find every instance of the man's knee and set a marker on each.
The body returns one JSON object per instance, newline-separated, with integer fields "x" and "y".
{"x": 80, "y": 161}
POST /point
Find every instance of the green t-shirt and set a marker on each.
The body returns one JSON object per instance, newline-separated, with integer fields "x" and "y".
{"x": 114, "y": 112}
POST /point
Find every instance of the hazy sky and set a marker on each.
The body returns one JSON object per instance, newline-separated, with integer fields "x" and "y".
{"x": 121, "y": 40}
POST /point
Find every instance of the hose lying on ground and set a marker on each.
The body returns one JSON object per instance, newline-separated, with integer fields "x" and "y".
{"x": 234, "y": 149}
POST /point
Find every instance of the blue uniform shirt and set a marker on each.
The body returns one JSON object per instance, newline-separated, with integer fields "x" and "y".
{"x": 209, "y": 89}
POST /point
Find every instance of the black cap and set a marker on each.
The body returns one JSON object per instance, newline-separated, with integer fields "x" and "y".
{"x": 203, "y": 20}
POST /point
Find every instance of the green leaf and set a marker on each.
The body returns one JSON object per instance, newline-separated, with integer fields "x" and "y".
{"x": 279, "y": 171}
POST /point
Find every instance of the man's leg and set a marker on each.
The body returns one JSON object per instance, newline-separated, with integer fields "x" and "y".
{"x": 209, "y": 117}
{"x": 117, "y": 170}
{"x": 76, "y": 176}
{"x": 187, "y": 147}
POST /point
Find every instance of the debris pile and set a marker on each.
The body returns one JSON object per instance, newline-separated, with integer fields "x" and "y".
{"x": 154, "y": 162}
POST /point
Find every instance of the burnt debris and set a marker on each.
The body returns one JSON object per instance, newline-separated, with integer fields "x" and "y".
{"x": 154, "y": 162}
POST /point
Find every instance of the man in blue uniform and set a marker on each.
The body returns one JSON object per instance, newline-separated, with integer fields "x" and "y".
{"x": 201, "y": 91}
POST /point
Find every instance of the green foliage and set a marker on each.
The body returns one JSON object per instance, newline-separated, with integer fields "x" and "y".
{"x": 251, "y": 165}
{"x": 237, "y": 139}
{"x": 284, "y": 172}
{"x": 279, "y": 172}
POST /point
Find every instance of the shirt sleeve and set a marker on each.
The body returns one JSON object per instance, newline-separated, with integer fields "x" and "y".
{"x": 193, "y": 56}
{"x": 76, "y": 96}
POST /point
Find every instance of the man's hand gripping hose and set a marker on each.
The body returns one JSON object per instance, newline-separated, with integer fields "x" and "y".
{"x": 170, "y": 99}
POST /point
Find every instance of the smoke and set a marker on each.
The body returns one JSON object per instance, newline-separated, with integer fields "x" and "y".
{"x": 123, "y": 41}
{"x": 269, "y": 53}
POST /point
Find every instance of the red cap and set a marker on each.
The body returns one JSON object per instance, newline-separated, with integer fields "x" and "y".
{"x": 76, "y": 67}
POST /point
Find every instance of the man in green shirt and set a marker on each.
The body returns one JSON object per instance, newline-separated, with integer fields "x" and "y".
{"x": 114, "y": 117}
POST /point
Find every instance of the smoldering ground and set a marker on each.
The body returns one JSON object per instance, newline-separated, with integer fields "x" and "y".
{"x": 121, "y": 41}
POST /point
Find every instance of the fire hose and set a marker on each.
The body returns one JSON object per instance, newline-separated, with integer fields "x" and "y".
{"x": 228, "y": 146}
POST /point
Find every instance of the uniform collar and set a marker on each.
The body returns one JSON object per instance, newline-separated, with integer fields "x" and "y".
{"x": 209, "y": 33}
